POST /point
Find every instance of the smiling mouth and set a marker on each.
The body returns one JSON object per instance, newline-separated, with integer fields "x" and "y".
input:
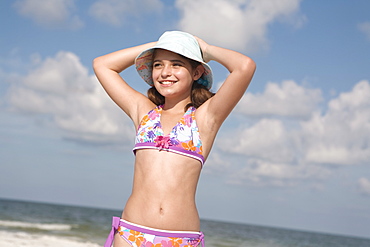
{"x": 167, "y": 83}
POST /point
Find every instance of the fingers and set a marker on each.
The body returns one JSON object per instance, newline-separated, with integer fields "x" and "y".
{"x": 203, "y": 46}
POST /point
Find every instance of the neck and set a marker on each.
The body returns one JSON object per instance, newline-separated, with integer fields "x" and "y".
{"x": 176, "y": 105}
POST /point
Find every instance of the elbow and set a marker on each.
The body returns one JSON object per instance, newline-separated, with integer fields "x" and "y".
{"x": 247, "y": 70}
{"x": 97, "y": 62}
{"x": 248, "y": 65}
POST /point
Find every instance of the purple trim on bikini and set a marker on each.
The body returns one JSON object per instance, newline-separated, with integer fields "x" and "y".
{"x": 157, "y": 232}
{"x": 116, "y": 222}
{"x": 151, "y": 145}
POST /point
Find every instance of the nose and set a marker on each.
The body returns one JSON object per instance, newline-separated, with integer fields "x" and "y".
{"x": 166, "y": 71}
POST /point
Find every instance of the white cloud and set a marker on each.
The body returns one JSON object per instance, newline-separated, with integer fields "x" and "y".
{"x": 287, "y": 99}
{"x": 262, "y": 172}
{"x": 282, "y": 150}
{"x": 364, "y": 185}
{"x": 51, "y": 13}
{"x": 61, "y": 87}
{"x": 237, "y": 24}
{"x": 364, "y": 27}
{"x": 116, "y": 12}
{"x": 342, "y": 135}
{"x": 267, "y": 139}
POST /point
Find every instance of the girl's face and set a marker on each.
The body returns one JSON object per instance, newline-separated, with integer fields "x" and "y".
{"x": 173, "y": 74}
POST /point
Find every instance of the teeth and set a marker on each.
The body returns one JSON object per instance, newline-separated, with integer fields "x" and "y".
{"x": 166, "y": 82}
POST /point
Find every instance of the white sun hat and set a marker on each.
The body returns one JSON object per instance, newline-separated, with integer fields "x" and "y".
{"x": 178, "y": 42}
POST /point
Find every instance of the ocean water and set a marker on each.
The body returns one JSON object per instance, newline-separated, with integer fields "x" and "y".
{"x": 30, "y": 224}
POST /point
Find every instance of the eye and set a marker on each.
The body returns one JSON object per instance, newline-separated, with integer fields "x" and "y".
{"x": 176, "y": 64}
{"x": 157, "y": 65}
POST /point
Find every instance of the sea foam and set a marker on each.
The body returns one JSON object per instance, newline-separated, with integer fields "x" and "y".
{"x": 22, "y": 239}
{"x": 38, "y": 226}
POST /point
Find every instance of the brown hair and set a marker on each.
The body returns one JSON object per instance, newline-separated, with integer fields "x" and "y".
{"x": 199, "y": 93}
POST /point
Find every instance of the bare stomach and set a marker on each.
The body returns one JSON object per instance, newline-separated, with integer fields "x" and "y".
{"x": 163, "y": 194}
{"x": 163, "y": 216}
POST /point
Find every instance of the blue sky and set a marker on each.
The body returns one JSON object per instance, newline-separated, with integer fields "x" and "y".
{"x": 295, "y": 153}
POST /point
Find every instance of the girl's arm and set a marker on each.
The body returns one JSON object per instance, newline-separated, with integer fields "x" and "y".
{"x": 241, "y": 70}
{"x": 107, "y": 69}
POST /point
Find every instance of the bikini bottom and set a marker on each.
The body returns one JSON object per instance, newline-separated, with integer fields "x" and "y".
{"x": 142, "y": 236}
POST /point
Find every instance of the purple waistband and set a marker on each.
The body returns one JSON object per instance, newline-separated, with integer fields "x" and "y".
{"x": 117, "y": 222}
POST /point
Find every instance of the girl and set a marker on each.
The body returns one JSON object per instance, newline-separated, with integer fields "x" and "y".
{"x": 176, "y": 127}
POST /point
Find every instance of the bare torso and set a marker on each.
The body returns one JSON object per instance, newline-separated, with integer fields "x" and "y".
{"x": 163, "y": 194}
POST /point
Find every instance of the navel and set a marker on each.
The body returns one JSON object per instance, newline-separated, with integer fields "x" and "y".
{"x": 161, "y": 211}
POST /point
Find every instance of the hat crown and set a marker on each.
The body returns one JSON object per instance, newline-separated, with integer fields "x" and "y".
{"x": 181, "y": 43}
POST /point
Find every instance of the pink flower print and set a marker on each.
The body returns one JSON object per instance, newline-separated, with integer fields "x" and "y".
{"x": 153, "y": 115}
{"x": 166, "y": 243}
{"x": 150, "y": 244}
{"x": 163, "y": 142}
{"x": 187, "y": 120}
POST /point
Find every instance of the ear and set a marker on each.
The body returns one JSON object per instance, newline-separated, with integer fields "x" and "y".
{"x": 198, "y": 72}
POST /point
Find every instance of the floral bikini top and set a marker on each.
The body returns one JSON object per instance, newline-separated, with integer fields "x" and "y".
{"x": 183, "y": 139}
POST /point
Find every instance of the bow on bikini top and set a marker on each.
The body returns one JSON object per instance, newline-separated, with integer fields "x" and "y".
{"x": 183, "y": 139}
